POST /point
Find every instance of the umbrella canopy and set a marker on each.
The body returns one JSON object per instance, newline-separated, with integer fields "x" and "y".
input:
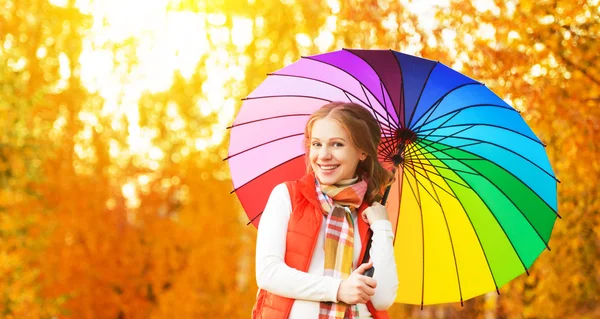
{"x": 474, "y": 201}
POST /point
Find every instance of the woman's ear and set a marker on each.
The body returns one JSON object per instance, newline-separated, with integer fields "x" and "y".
{"x": 362, "y": 157}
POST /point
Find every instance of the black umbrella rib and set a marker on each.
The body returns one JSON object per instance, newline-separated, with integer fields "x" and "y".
{"x": 266, "y": 119}
{"x": 478, "y": 240}
{"x": 447, "y": 229}
{"x": 437, "y": 103}
{"x": 418, "y": 128}
{"x": 263, "y": 144}
{"x": 263, "y": 173}
{"x": 334, "y": 86}
{"x": 385, "y": 104}
{"x": 284, "y": 95}
{"x": 499, "y": 224}
{"x": 490, "y": 143}
{"x": 400, "y": 185}
{"x": 371, "y": 107}
{"x": 380, "y": 81}
{"x": 418, "y": 199}
{"x": 401, "y": 100}
{"x": 451, "y": 169}
{"x": 443, "y": 137}
{"x": 440, "y": 187}
{"x": 418, "y": 182}
{"x": 447, "y": 120}
{"x": 454, "y": 147}
{"x": 510, "y": 199}
{"x": 312, "y": 59}
{"x": 487, "y": 125}
{"x": 254, "y": 218}
{"x": 418, "y": 160}
{"x": 421, "y": 93}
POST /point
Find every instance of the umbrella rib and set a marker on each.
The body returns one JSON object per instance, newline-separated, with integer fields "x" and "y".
{"x": 400, "y": 184}
{"x": 320, "y": 81}
{"x": 445, "y": 178}
{"x": 263, "y": 144}
{"x": 455, "y": 147}
{"x": 265, "y": 172}
{"x": 418, "y": 199}
{"x": 454, "y": 170}
{"x": 284, "y": 95}
{"x": 416, "y": 195}
{"x": 400, "y": 98}
{"x": 387, "y": 145}
{"x": 479, "y": 240}
{"x": 386, "y": 150}
{"x": 380, "y": 81}
{"x": 415, "y": 129}
{"x": 448, "y": 229}
{"x": 490, "y": 143}
{"x": 510, "y": 199}
{"x": 444, "y": 137}
{"x": 371, "y": 107}
{"x": 266, "y": 119}
{"x": 385, "y": 105}
{"x": 255, "y": 217}
{"x": 421, "y": 93}
{"x": 442, "y": 124}
{"x": 426, "y": 188}
{"x": 437, "y": 103}
{"x": 499, "y": 224}
{"x": 310, "y": 58}
{"x": 488, "y": 125}
{"x": 417, "y": 158}
{"x": 440, "y": 187}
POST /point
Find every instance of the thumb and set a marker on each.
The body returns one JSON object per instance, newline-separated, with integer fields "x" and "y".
{"x": 362, "y": 268}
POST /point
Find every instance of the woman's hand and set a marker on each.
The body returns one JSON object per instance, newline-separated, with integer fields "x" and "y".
{"x": 357, "y": 288}
{"x": 374, "y": 213}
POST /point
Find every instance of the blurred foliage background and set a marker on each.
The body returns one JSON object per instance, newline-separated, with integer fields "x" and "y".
{"x": 114, "y": 199}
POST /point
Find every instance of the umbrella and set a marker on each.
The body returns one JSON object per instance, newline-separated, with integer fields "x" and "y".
{"x": 474, "y": 201}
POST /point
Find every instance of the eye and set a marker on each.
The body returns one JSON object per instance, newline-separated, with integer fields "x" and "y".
{"x": 338, "y": 144}
{"x": 315, "y": 144}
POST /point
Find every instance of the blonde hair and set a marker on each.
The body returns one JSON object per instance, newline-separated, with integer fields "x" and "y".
{"x": 365, "y": 133}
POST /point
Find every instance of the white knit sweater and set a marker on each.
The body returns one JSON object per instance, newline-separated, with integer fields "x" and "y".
{"x": 273, "y": 275}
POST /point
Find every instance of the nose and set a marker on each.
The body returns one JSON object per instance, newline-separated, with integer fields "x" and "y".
{"x": 324, "y": 153}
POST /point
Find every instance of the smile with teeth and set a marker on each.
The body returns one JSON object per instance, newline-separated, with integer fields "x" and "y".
{"x": 328, "y": 167}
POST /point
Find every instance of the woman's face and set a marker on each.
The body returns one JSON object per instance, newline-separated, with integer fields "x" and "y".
{"x": 333, "y": 157}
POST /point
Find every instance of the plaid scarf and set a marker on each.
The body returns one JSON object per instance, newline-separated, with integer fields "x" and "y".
{"x": 338, "y": 203}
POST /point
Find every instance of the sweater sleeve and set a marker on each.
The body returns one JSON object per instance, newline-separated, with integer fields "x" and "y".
{"x": 272, "y": 273}
{"x": 382, "y": 254}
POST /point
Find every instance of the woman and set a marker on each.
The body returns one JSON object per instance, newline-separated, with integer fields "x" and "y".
{"x": 313, "y": 232}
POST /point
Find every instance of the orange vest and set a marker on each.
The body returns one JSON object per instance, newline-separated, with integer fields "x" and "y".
{"x": 302, "y": 234}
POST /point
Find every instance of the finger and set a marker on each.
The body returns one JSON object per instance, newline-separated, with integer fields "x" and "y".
{"x": 363, "y": 267}
{"x": 368, "y": 290}
{"x": 364, "y": 297}
{"x": 369, "y": 281}
{"x": 364, "y": 217}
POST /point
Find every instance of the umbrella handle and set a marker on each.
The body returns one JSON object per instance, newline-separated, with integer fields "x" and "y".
{"x": 385, "y": 195}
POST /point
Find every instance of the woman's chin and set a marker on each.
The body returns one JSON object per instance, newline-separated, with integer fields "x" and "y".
{"x": 327, "y": 178}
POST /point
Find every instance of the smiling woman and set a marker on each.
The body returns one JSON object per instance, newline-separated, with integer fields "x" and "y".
{"x": 312, "y": 235}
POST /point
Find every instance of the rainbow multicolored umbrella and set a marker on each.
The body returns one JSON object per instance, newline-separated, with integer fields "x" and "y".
{"x": 475, "y": 200}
